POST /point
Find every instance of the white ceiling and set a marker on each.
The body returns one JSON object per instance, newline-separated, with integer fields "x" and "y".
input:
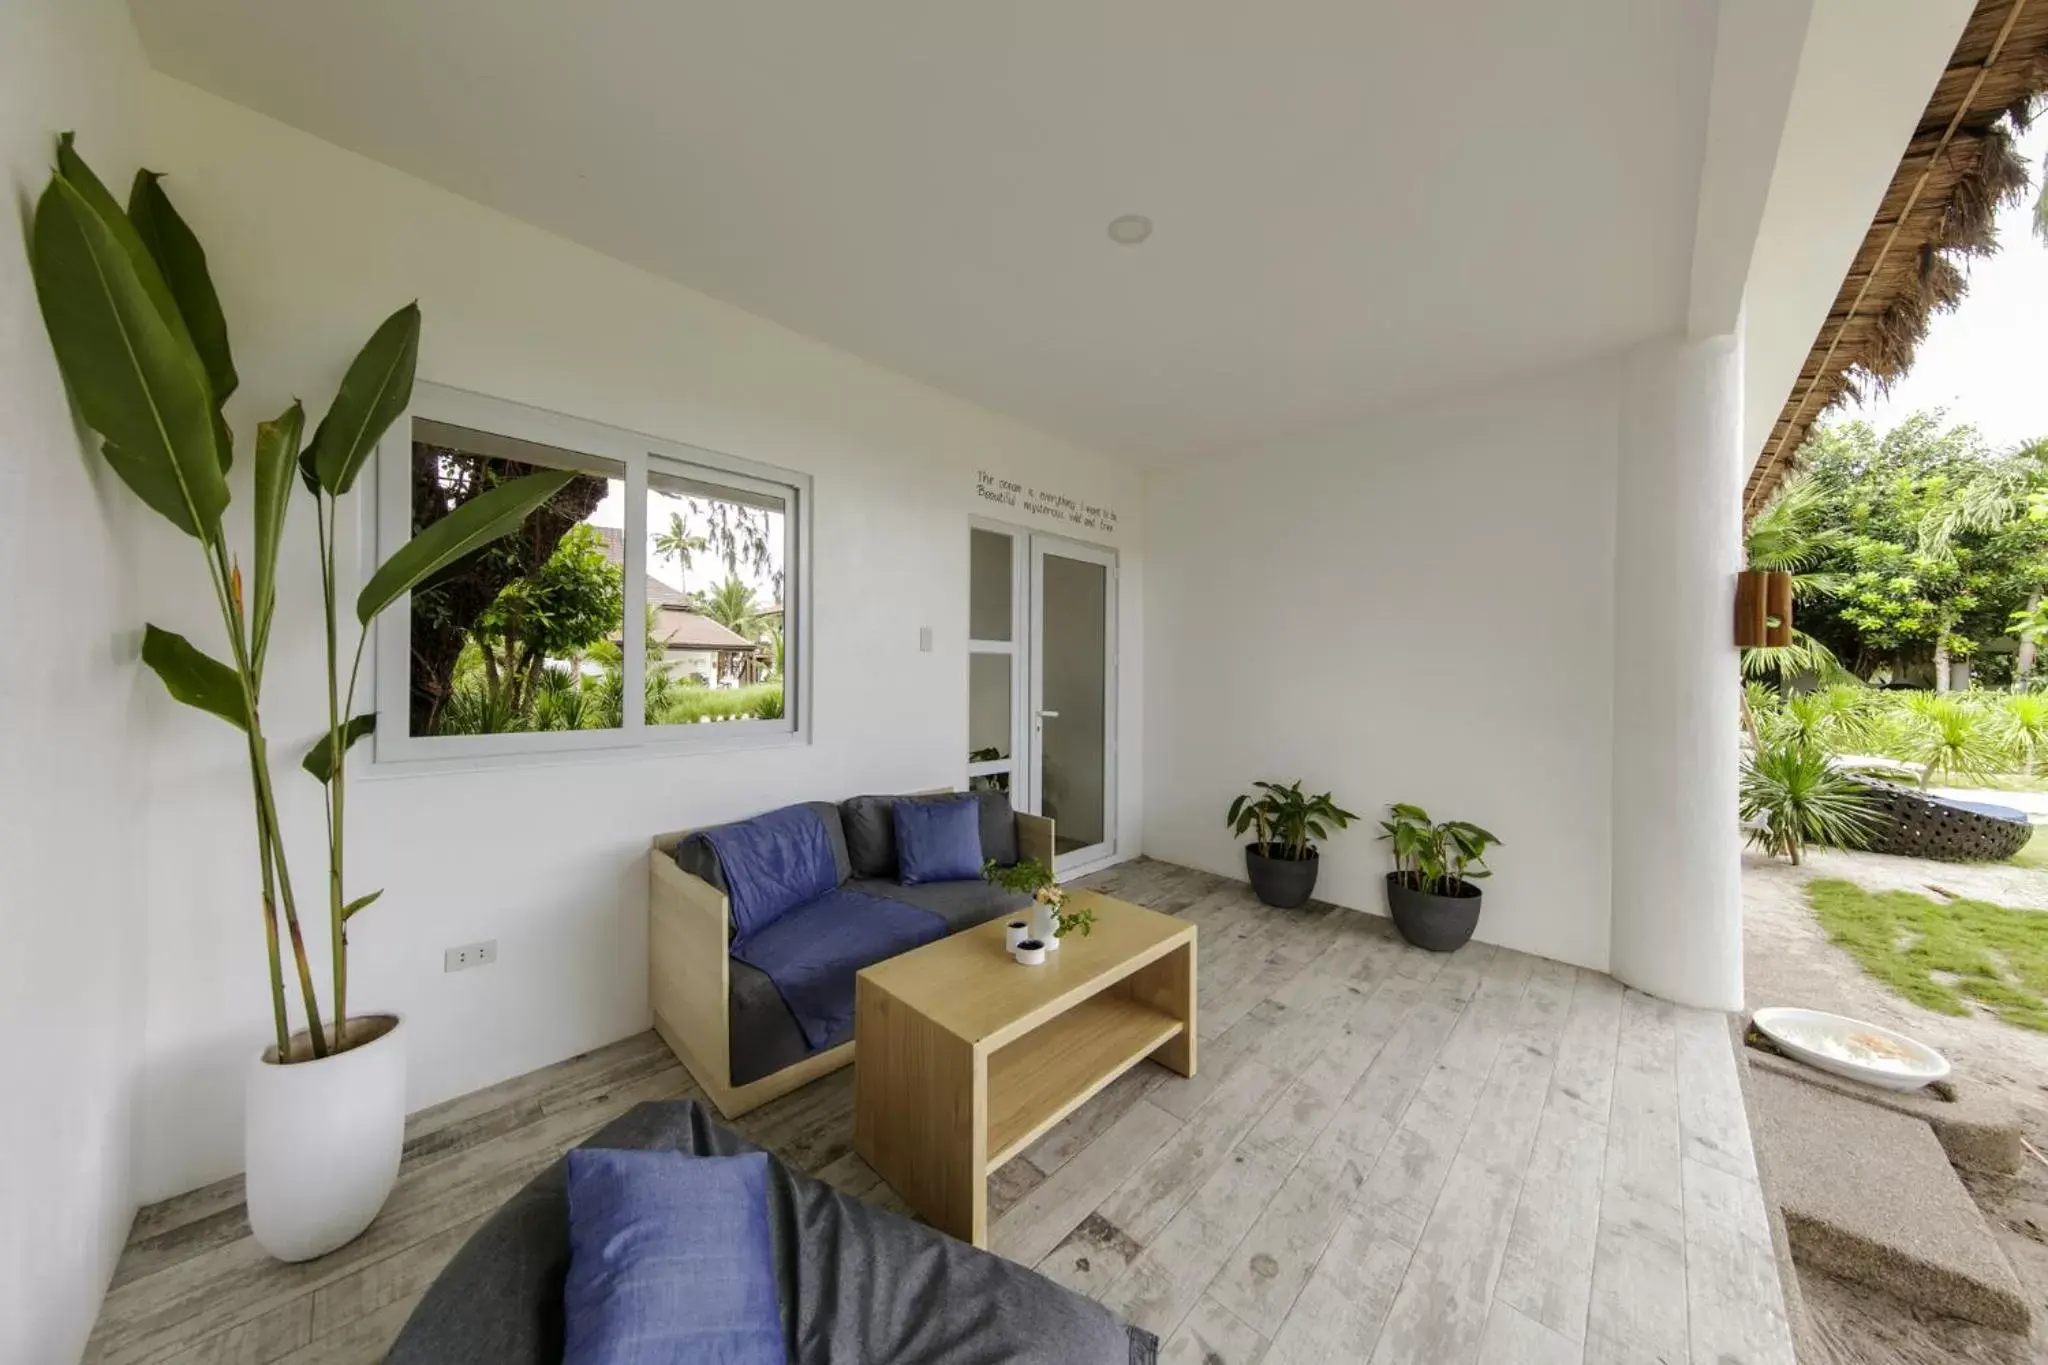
{"x": 1357, "y": 201}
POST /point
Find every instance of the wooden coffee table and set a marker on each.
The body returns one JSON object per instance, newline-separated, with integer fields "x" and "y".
{"x": 963, "y": 1058}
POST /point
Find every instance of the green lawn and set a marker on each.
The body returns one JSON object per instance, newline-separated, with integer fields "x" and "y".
{"x": 2035, "y": 854}
{"x": 1940, "y": 954}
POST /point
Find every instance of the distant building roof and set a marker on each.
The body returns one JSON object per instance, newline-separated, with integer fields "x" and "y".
{"x": 679, "y": 628}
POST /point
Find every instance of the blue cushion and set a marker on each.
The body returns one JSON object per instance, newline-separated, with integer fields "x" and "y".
{"x": 938, "y": 841}
{"x": 669, "y": 1261}
{"x": 773, "y": 863}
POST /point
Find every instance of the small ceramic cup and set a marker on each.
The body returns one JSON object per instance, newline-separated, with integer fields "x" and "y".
{"x": 1031, "y": 953}
{"x": 1014, "y": 933}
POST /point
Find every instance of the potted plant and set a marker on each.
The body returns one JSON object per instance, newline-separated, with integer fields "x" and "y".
{"x": 1050, "y": 919}
{"x": 139, "y": 337}
{"x": 1431, "y": 890}
{"x": 1282, "y": 861}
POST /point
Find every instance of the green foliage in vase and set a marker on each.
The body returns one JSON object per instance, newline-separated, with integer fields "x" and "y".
{"x": 1439, "y": 858}
{"x": 1287, "y": 821}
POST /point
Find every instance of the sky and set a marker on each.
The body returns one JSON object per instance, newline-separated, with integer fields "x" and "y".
{"x": 1987, "y": 362}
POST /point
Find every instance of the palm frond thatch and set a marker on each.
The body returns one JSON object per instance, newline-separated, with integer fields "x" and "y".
{"x": 1957, "y": 171}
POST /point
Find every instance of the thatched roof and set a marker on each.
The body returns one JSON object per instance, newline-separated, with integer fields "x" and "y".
{"x": 1958, "y": 169}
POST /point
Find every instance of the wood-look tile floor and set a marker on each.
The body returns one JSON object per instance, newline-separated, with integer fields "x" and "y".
{"x": 1387, "y": 1156}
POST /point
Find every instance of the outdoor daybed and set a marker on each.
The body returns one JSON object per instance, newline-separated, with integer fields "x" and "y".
{"x": 1912, "y": 824}
{"x": 853, "y": 1283}
{"x": 718, "y": 980}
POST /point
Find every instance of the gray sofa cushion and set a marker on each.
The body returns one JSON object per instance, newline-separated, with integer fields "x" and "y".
{"x": 695, "y": 855}
{"x": 962, "y": 905}
{"x": 870, "y": 826}
{"x": 854, "y": 1283}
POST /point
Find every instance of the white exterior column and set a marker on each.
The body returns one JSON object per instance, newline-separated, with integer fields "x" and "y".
{"x": 1677, "y": 899}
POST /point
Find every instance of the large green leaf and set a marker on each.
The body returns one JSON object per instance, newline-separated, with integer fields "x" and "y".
{"x": 195, "y": 677}
{"x": 478, "y": 522}
{"x": 319, "y": 759}
{"x": 376, "y": 389}
{"x": 277, "y": 451}
{"x": 71, "y": 168}
{"x": 182, "y": 261}
{"x": 136, "y": 381}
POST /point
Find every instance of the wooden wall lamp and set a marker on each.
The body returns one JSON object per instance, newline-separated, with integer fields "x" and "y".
{"x": 1763, "y": 608}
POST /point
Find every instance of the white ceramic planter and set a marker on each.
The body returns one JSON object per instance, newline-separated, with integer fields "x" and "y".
{"x": 1030, "y": 953}
{"x": 1045, "y": 924}
{"x": 321, "y": 1140}
{"x": 1014, "y": 933}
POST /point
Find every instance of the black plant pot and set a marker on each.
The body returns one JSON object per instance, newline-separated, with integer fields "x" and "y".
{"x": 1283, "y": 883}
{"x": 1439, "y": 923}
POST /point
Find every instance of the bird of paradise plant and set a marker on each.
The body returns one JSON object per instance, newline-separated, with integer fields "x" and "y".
{"x": 140, "y": 338}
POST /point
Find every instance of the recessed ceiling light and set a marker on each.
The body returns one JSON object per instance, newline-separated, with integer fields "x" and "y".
{"x": 1130, "y": 229}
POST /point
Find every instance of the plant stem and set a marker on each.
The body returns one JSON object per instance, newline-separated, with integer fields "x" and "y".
{"x": 266, "y": 799}
{"x": 323, "y": 513}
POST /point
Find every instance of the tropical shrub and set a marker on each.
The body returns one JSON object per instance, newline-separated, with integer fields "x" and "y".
{"x": 1792, "y": 795}
{"x": 1288, "y": 821}
{"x": 1437, "y": 858}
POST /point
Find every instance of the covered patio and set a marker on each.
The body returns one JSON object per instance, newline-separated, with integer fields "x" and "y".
{"x": 1092, "y": 410}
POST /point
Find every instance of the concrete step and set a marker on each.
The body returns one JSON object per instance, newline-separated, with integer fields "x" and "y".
{"x": 1868, "y": 1194}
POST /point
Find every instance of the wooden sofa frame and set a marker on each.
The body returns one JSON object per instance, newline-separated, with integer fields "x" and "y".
{"x": 689, "y": 955}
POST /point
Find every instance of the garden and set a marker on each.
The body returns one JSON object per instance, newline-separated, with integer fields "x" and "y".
{"x": 1918, "y": 560}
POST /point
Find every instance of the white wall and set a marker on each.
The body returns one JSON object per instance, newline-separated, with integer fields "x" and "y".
{"x": 71, "y": 915}
{"x": 1427, "y": 601}
{"x": 312, "y": 245}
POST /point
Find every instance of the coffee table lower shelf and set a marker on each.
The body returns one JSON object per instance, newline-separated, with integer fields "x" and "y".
{"x": 1050, "y": 1072}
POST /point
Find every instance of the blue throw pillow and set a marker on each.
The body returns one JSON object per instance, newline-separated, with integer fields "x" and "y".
{"x": 938, "y": 841}
{"x": 669, "y": 1261}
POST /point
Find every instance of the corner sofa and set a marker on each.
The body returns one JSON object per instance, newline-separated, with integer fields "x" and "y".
{"x": 719, "y": 1010}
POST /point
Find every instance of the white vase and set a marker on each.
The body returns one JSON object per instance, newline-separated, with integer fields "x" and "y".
{"x": 321, "y": 1140}
{"x": 1045, "y": 924}
{"x": 1014, "y": 933}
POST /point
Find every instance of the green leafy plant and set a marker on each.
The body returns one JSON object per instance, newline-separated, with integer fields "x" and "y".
{"x": 136, "y": 325}
{"x": 1287, "y": 821}
{"x": 1442, "y": 859}
{"x": 1032, "y": 877}
{"x": 1792, "y": 795}
{"x": 1950, "y": 736}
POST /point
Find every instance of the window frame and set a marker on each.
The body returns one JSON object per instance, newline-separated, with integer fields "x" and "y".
{"x": 394, "y": 749}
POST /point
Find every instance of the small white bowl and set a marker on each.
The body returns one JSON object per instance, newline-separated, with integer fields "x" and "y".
{"x": 1849, "y": 1047}
{"x": 1031, "y": 953}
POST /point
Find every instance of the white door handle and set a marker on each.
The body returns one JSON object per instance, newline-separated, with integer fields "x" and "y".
{"x": 1048, "y": 715}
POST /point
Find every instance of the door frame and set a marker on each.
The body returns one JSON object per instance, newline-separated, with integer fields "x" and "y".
{"x": 1025, "y": 764}
{"x": 1038, "y": 544}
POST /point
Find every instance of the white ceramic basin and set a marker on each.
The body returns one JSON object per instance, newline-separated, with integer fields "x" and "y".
{"x": 1849, "y": 1047}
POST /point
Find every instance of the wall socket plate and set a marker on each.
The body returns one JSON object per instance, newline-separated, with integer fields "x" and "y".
{"x": 481, "y": 954}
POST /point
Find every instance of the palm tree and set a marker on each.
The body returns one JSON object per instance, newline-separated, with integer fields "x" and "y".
{"x": 678, "y": 544}
{"x": 732, "y": 605}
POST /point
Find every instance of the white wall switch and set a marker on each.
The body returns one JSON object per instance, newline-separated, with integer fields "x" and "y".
{"x": 470, "y": 955}
{"x": 924, "y": 639}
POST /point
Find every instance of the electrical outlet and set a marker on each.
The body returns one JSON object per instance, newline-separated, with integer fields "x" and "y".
{"x": 470, "y": 955}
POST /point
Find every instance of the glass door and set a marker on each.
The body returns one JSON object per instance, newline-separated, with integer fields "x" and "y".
{"x": 1072, "y": 711}
{"x": 995, "y": 695}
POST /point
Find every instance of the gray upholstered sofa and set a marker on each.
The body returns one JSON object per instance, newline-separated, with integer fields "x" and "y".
{"x": 726, "y": 1019}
